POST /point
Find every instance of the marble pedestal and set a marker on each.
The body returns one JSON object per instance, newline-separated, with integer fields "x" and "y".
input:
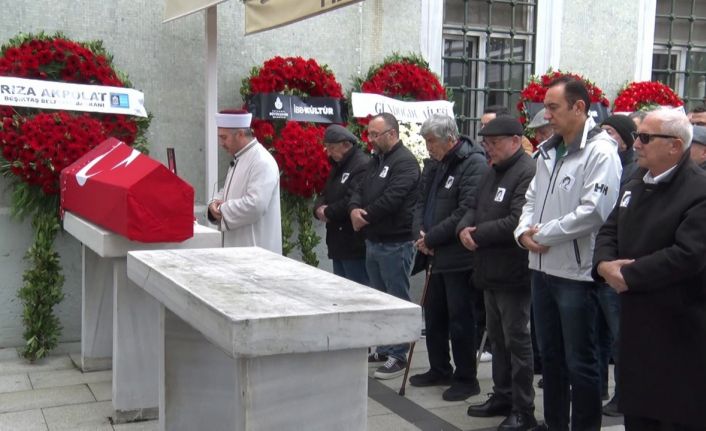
{"x": 119, "y": 320}
{"x": 253, "y": 341}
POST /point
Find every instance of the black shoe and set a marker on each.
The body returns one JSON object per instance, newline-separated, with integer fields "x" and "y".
{"x": 430, "y": 378}
{"x": 611, "y": 409}
{"x": 376, "y": 357}
{"x": 459, "y": 391}
{"x": 517, "y": 421}
{"x": 495, "y": 406}
{"x": 540, "y": 383}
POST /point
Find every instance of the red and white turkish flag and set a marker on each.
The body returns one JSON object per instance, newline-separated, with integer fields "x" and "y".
{"x": 127, "y": 192}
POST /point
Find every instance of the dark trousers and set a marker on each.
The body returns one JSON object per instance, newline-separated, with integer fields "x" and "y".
{"x": 636, "y": 423}
{"x": 565, "y": 313}
{"x": 535, "y": 346}
{"x": 507, "y": 316}
{"x": 352, "y": 269}
{"x": 448, "y": 312}
{"x": 608, "y": 331}
{"x": 479, "y": 310}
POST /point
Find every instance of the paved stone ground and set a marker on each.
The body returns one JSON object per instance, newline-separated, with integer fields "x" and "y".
{"x": 55, "y": 395}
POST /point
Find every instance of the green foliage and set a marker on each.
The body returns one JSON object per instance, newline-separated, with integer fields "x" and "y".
{"x": 41, "y": 289}
{"x": 43, "y": 280}
{"x": 308, "y": 239}
{"x": 288, "y": 208}
{"x": 299, "y": 209}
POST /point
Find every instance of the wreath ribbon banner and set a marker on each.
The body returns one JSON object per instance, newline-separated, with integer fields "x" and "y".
{"x": 278, "y": 106}
{"x": 365, "y": 104}
{"x": 39, "y": 94}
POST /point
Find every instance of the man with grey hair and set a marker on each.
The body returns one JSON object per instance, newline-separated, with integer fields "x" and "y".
{"x": 447, "y": 191}
{"x": 651, "y": 251}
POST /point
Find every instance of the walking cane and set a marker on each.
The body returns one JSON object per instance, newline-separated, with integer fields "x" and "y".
{"x": 482, "y": 346}
{"x": 411, "y": 347}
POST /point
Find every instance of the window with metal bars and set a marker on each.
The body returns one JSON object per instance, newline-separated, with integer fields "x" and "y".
{"x": 488, "y": 55}
{"x": 679, "y": 56}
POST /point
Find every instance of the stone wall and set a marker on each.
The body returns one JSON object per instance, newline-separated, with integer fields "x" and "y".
{"x": 599, "y": 41}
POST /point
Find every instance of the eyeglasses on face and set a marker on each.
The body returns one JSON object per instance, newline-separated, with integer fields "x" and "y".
{"x": 645, "y": 138}
{"x": 375, "y": 135}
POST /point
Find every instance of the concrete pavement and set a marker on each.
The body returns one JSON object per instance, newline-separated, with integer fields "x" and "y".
{"x": 54, "y": 395}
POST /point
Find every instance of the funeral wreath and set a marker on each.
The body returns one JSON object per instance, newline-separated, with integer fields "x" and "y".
{"x": 36, "y": 144}
{"x": 402, "y": 77}
{"x": 537, "y": 87}
{"x": 641, "y": 96}
{"x": 296, "y": 146}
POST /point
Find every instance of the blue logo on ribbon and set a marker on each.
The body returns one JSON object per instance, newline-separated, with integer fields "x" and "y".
{"x": 119, "y": 100}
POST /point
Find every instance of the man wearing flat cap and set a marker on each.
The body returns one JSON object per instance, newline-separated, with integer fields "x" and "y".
{"x": 540, "y": 125}
{"x": 698, "y": 146}
{"x": 247, "y": 208}
{"x": 346, "y": 247}
{"x": 500, "y": 270}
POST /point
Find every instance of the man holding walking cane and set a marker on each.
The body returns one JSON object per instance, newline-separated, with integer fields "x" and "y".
{"x": 447, "y": 191}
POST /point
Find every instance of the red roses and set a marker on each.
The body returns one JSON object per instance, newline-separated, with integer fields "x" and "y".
{"x": 640, "y": 95}
{"x": 399, "y": 77}
{"x": 301, "y": 158}
{"x": 298, "y": 149}
{"x": 537, "y": 88}
{"x": 38, "y": 145}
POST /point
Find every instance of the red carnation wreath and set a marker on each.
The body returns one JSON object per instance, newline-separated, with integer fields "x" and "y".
{"x": 646, "y": 95}
{"x": 297, "y": 147}
{"x": 401, "y": 77}
{"x": 537, "y": 87}
{"x": 38, "y": 144}
{"x": 35, "y": 145}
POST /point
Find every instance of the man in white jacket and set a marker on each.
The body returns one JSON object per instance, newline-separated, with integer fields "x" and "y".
{"x": 574, "y": 190}
{"x": 247, "y": 208}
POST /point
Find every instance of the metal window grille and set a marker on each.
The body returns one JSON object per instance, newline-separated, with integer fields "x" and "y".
{"x": 679, "y": 56}
{"x": 488, "y": 55}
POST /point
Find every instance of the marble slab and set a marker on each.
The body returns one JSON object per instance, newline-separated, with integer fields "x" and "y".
{"x": 251, "y": 302}
{"x": 106, "y": 243}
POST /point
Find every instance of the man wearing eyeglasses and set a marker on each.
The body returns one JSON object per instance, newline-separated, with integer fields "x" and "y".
{"x": 651, "y": 251}
{"x": 381, "y": 207}
{"x": 572, "y": 193}
{"x": 500, "y": 271}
